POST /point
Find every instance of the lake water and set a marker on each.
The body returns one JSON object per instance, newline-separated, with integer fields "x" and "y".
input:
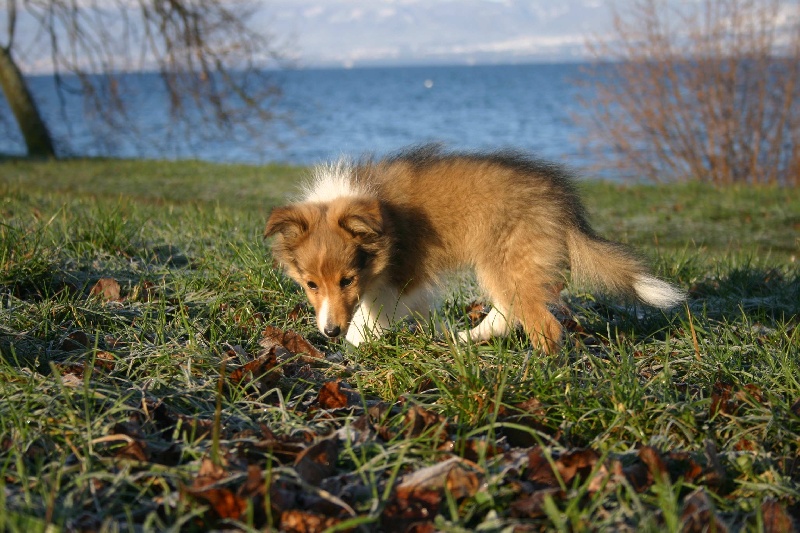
{"x": 349, "y": 112}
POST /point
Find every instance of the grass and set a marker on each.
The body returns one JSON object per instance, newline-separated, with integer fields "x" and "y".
{"x": 127, "y": 412}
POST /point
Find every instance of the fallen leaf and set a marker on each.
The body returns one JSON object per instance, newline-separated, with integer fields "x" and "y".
{"x": 580, "y": 463}
{"x": 418, "y": 495}
{"x": 419, "y": 420}
{"x": 721, "y": 399}
{"x": 637, "y": 474}
{"x": 113, "y": 343}
{"x": 456, "y": 475}
{"x": 148, "y": 291}
{"x": 295, "y": 521}
{"x": 532, "y": 506}
{"x": 753, "y": 391}
{"x": 472, "y": 449}
{"x": 318, "y": 461}
{"x": 298, "y": 311}
{"x": 104, "y": 360}
{"x": 539, "y": 470}
{"x": 262, "y": 372}
{"x": 476, "y": 311}
{"x": 333, "y": 395}
{"x": 76, "y": 340}
{"x": 292, "y": 341}
{"x": 223, "y": 501}
{"x": 106, "y": 289}
{"x": 775, "y": 517}
{"x": 745, "y": 445}
{"x": 136, "y": 450}
{"x": 569, "y": 465}
{"x": 652, "y": 460}
{"x": 698, "y": 515}
{"x": 532, "y": 414}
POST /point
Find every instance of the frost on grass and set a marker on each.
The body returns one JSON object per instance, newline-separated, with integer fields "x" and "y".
{"x": 197, "y": 395}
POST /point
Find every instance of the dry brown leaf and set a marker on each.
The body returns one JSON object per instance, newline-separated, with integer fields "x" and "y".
{"x": 745, "y": 445}
{"x": 698, "y": 515}
{"x": 456, "y": 475}
{"x": 539, "y": 470}
{"x": 532, "y": 506}
{"x": 580, "y": 462}
{"x": 295, "y": 521}
{"x": 418, "y": 495}
{"x": 637, "y": 474}
{"x": 332, "y": 395}
{"x": 419, "y": 420}
{"x": 224, "y": 502}
{"x": 655, "y": 464}
{"x": 776, "y": 518}
{"x": 530, "y": 413}
{"x": 292, "y": 341}
{"x": 574, "y": 463}
{"x": 298, "y": 311}
{"x": 104, "y": 360}
{"x": 135, "y": 450}
{"x": 76, "y": 340}
{"x": 753, "y": 391}
{"x": 472, "y": 449}
{"x": 318, "y": 461}
{"x": 721, "y": 399}
{"x": 106, "y": 289}
{"x": 415, "y": 513}
{"x": 148, "y": 291}
{"x": 476, "y": 311}
{"x": 261, "y": 372}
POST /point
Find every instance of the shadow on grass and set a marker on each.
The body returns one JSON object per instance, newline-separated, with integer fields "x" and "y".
{"x": 770, "y": 296}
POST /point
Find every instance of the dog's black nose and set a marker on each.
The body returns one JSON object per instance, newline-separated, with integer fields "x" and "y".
{"x": 333, "y": 332}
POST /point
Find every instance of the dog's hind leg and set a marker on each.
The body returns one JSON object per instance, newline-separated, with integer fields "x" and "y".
{"x": 542, "y": 327}
{"x": 523, "y": 293}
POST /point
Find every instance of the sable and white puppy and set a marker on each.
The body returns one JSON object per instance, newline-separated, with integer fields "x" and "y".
{"x": 370, "y": 241}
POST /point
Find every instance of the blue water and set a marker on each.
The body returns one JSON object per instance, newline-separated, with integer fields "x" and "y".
{"x": 328, "y": 113}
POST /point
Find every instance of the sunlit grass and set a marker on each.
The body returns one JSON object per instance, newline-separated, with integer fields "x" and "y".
{"x": 183, "y": 240}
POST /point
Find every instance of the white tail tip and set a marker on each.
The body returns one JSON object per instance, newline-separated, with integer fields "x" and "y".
{"x": 657, "y": 293}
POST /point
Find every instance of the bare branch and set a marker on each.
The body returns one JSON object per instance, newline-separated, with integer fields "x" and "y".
{"x": 211, "y": 63}
{"x": 707, "y": 92}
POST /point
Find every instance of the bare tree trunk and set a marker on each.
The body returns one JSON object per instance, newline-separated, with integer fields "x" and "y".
{"x": 20, "y": 100}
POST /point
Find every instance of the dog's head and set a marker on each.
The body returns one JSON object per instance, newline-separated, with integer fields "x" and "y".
{"x": 334, "y": 250}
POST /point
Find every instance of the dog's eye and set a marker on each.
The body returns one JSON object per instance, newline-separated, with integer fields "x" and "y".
{"x": 311, "y": 285}
{"x": 345, "y": 282}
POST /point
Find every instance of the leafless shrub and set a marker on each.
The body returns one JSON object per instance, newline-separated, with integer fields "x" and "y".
{"x": 706, "y": 90}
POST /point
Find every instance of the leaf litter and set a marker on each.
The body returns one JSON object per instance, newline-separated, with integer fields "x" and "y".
{"x": 303, "y": 480}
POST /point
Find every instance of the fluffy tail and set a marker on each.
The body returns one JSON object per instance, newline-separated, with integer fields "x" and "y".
{"x": 602, "y": 263}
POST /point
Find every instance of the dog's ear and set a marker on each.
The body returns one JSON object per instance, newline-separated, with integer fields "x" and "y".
{"x": 363, "y": 220}
{"x": 290, "y": 222}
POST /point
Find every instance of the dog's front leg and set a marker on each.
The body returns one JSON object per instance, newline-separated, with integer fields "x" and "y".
{"x": 494, "y": 324}
{"x": 372, "y": 317}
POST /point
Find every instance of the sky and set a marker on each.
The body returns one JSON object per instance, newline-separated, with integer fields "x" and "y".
{"x": 353, "y": 33}
{"x": 348, "y": 33}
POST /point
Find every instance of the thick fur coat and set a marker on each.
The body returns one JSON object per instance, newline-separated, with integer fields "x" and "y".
{"x": 370, "y": 241}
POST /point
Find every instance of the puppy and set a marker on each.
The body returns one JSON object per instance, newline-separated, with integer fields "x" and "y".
{"x": 370, "y": 241}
